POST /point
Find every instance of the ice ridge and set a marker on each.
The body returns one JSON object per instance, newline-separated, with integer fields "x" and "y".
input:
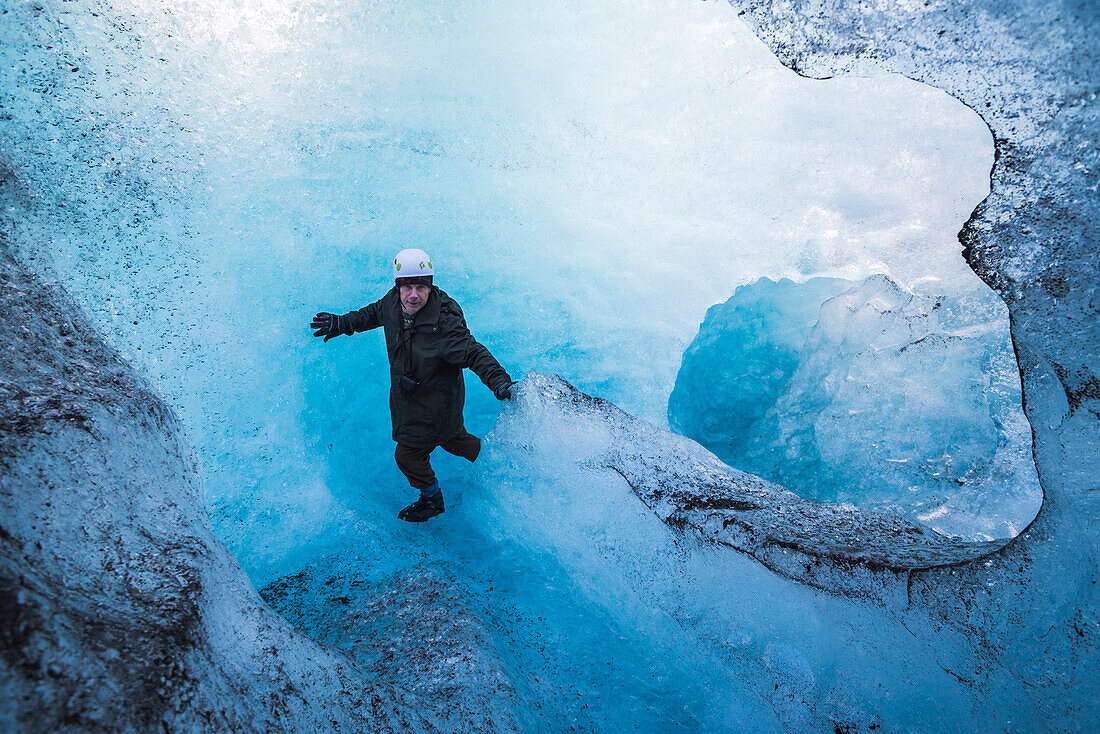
{"x": 828, "y": 545}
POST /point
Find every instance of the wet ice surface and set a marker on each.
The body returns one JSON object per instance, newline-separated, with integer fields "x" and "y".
{"x": 590, "y": 179}
{"x": 864, "y": 393}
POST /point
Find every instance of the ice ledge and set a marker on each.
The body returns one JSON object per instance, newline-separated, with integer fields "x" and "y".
{"x": 830, "y": 546}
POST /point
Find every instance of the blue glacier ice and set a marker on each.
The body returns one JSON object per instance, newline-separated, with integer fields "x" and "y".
{"x": 199, "y": 499}
{"x": 866, "y": 393}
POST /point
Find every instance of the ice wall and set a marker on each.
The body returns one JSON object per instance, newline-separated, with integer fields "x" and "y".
{"x": 863, "y": 392}
{"x": 629, "y": 151}
{"x": 646, "y": 521}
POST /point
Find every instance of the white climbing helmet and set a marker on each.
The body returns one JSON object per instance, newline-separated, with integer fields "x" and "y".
{"x": 412, "y": 263}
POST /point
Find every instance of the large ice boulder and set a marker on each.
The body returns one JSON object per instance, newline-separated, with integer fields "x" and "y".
{"x": 866, "y": 393}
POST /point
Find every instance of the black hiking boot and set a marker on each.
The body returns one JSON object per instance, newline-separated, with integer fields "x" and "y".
{"x": 423, "y": 509}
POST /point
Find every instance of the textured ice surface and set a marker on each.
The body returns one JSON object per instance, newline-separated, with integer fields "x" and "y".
{"x": 644, "y": 520}
{"x": 686, "y": 485}
{"x": 414, "y": 632}
{"x": 866, "y": 393}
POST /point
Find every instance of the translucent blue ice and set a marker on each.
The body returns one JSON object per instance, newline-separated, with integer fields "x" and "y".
{"x": 866, "y": 393}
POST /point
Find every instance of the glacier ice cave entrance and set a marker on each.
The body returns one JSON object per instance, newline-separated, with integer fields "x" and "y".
{"x": 590, "y": 179}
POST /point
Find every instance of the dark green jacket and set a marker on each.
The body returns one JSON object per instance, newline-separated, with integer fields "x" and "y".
{"x": 433, "y": 350}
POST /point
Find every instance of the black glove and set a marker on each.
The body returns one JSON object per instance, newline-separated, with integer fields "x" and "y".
{"x": 503, "y": 391}
{"x": 329, "y": 325}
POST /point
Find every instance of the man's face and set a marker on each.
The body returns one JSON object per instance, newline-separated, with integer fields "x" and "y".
{"x": 413, "y": 297}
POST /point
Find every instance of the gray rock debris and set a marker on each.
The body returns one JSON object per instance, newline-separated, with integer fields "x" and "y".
{"x": 415, "y": 633}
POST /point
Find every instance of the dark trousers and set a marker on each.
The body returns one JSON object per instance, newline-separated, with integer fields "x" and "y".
{"x": 413, "y": 461}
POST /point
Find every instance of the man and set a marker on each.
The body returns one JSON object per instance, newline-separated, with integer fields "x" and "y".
{"x": 428, "y": 346}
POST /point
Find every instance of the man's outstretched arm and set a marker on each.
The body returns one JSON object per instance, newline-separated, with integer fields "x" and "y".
{"x": 330, "y": 325}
